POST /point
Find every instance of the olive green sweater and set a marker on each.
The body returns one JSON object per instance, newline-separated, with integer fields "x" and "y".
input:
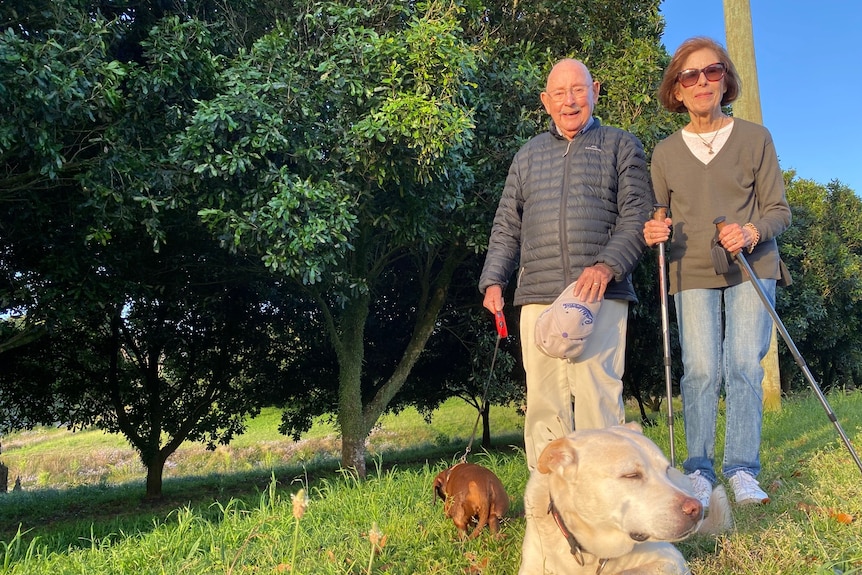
{"x": 743, "y": 183}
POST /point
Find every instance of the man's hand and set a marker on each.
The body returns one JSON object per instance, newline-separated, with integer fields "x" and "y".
{"x": 493, "y": 301}
{"x": 590, "y": 287}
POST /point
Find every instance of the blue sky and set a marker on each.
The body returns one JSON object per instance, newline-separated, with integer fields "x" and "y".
{"x": 809, "y": 67}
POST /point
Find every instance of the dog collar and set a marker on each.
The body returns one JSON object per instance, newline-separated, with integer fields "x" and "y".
{"x": 574, "y": 545}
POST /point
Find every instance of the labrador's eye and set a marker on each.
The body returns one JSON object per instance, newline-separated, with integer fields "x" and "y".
{"x": 633, "y": 475}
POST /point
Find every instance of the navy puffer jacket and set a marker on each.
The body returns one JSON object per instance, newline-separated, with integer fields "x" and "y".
{"x": 568, "y": 205}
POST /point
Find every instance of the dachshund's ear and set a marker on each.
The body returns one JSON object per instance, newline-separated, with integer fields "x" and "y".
{"x": 439, "y": 486}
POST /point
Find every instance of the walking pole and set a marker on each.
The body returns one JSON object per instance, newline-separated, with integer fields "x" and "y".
{"x": 660, "y": 213}
{"x": 720, "y": 223}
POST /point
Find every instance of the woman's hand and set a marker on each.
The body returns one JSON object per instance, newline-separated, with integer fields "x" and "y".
{"x": 735, "y": 237}
{"x": 657, "y": 231}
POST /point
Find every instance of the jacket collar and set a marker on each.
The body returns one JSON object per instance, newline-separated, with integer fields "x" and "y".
{"x": 592, "y": 123}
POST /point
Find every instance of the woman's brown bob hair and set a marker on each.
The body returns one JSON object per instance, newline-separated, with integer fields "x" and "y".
{"x": 667, "y": 88}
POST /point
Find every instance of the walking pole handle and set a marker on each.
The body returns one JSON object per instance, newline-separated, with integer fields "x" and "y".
{"x": 719, "y": 224}
{"x": 659, "y": 212}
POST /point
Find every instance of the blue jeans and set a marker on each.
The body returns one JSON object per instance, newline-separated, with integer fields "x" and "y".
{"x": 724, "y": 334}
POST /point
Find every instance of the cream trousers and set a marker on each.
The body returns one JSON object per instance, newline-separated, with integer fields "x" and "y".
{"x": 585, "y": 393}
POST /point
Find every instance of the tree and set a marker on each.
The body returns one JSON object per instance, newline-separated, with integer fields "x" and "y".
{"x": 467, "y": 359}
{"x": 343, "y": 131}
{"x": 823, "y": 251}
{"x": 182, "y": 345}
{"x": 135, "y": 320}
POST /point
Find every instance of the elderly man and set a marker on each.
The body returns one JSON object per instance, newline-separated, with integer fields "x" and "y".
{"x": 572, "y": 211}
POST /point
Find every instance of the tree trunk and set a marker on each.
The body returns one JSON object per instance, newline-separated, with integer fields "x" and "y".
{"x": 353, "y": 454}
{"x": 740, "y": 44}
{"x": 351, "y": 417}
{"x": 22, "y": 338}
{"x": 486, "y": 425}
{"x": 155, "y": 470}
{"x": 771, "y": 376}
{"x": 356, "y": 418}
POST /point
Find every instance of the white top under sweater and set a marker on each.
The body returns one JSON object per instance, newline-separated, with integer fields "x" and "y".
{"x": 699, "y": 148}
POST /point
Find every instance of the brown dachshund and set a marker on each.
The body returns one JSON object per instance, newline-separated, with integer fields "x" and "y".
{"x": 471, "y": 492}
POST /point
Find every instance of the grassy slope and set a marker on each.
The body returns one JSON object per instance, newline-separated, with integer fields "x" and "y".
{"x": 237, "y": 520}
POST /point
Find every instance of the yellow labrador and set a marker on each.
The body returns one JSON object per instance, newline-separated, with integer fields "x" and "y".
{"x": 607, "y": 501}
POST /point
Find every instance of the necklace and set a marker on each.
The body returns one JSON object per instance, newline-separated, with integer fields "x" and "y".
{"x": 710, "y": 142}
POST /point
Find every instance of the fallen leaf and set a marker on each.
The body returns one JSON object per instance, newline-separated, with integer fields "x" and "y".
{"x": 831, "y": 512}
{"x": 478, "y": 567}
{"x": 840, "y": 517}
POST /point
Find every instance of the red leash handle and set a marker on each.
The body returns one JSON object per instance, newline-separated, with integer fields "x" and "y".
{"x": 500, "y": 324}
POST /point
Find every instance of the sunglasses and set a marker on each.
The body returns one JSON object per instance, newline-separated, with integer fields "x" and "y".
{"x": 689, "y": 77}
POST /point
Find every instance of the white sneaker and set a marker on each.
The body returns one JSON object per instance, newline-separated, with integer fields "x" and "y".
{"x": 746, "y": 490}
{"x": 701, "y": 488}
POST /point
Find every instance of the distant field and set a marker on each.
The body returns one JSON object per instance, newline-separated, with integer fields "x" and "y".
{"x": 56, "y": 458}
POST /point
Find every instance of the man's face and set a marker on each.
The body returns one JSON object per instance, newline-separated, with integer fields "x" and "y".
{"x": 570, "y": 96}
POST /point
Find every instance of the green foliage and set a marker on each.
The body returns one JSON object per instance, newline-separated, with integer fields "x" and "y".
{"x": 645, "y": 379}
{"x": 134, "y": 183}
{"x": 301, "y": 230}
{"x": 334, "y": 126}
{"x": 163, "y": 362}
{"x": 58, "y": 90}
{"x": 631, "y": 74}
{"x": 144, "y": 323}
{"x": 823, "y": 250}
{"x": 335, "y": 150}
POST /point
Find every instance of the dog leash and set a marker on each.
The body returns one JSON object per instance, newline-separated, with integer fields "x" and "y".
{"x": 502, "y": 332}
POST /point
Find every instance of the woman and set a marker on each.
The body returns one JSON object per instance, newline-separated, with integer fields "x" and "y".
{"x": 718, "y": 166}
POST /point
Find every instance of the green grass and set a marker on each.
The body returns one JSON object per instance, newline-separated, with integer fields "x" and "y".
{"x": 242, "y": 519}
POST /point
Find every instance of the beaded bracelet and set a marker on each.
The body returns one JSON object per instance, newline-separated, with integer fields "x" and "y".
{"x": 756, "y": 235}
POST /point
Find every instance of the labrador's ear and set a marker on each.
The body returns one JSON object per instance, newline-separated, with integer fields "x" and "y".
{"x": 558, "y": 454}
{"x": 634, "y": 426}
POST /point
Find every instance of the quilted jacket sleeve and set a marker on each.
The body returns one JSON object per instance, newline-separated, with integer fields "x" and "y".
{"x": 504, "y": 244}
{"x": 634, "y": 205}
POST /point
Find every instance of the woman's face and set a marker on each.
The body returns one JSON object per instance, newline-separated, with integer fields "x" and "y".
{"x": 703, "y": 97}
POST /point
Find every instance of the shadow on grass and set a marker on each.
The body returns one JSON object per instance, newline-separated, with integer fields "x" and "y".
{"x": 76, "y": 517}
